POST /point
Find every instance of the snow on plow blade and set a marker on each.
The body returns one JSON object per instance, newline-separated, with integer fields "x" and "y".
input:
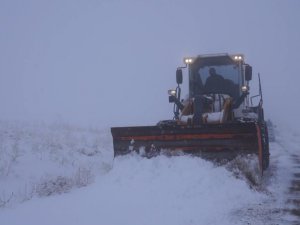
{"x": 208, "y": 139}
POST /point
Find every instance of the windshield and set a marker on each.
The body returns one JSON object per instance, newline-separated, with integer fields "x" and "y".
{"x": 229, "y": 72}
{"x": 215, "y": 78}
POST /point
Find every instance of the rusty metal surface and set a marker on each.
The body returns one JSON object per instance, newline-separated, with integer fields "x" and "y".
{"x": 205, "y": 138}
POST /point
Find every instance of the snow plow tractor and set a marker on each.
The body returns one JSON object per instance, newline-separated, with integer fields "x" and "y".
{"x": 216, "y": 119}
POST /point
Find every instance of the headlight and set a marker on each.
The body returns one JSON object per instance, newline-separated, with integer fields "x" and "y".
{"x": 172, "y": 92}
{"x": 245, "y": 88}
{"x": 188, "y": 60}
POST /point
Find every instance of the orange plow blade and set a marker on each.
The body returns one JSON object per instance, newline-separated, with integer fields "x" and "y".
{"x": 208, "y": 139}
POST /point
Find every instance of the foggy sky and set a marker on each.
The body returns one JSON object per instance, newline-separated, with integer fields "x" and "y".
{"x": 110, "y": 63}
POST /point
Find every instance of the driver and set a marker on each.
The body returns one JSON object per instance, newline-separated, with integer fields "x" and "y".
{"x": 214, "y": 82}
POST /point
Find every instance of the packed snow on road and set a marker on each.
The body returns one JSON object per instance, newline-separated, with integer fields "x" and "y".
{"x": 62, "y": 174}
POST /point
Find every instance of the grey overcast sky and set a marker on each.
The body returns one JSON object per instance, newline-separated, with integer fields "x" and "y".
{"x": 104, "y": 63}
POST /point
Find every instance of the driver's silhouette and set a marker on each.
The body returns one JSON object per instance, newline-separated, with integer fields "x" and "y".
{"x": 214, "y": 82}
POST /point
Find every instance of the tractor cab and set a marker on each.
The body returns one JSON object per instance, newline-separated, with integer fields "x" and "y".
{"x": 215, "y": 75}
{"x": 218, "y": 84}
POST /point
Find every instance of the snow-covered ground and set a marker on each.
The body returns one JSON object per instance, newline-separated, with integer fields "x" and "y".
{"x": 61, "y": 174}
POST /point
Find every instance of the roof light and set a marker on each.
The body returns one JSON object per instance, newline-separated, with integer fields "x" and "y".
{"x": 238, "y": 58}
{"x": 188, "y": 60}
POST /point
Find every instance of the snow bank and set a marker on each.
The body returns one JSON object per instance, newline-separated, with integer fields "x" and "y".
{"x": 42, "y": 161}
{"x": 177, "y": 190}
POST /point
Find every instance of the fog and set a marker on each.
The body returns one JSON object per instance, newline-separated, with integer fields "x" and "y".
{"x": 110, "y": 63}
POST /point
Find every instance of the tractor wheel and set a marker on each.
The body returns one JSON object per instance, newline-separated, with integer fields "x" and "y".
{"x": 265, "y": 146}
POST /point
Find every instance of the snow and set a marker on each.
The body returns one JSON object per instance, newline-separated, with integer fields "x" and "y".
{"x": 60, "y": 174}
{"x": 33, "y": 154}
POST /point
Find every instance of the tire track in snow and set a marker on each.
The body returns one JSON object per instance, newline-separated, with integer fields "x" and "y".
{"x": 289, "y": 141}
{"x": 294, "y": 190}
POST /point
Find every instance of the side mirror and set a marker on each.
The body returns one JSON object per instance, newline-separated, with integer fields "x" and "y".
{"x": 179, "y": 76}
{"x": 248, "y": 73}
